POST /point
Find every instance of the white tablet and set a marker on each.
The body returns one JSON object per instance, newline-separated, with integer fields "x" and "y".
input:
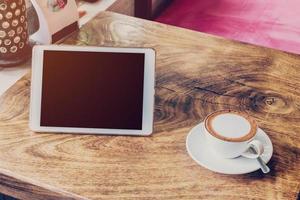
{"x": 96, "y": 90}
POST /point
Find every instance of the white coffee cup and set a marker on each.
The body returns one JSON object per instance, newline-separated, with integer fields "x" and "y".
{"x": 231, "y": 133}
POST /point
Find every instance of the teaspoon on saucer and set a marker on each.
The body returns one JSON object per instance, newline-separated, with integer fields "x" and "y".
{"x": 263, "y": 166}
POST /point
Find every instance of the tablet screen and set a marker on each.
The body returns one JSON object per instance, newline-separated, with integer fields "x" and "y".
{"x": 92, "y": 90}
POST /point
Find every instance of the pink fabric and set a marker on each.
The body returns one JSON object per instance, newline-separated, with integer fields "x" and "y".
{"x": 270, "y": 23}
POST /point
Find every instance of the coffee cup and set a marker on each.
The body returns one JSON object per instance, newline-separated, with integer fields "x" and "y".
{"x": 230, "y": 134}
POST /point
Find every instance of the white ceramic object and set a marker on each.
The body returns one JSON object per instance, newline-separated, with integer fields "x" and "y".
{"x": 202, "y": 153}
{"x": 231, "y": 134}
{"x": 42, "y": 35}
{"x": 227, "y": 149}
{"x": 51, "y": 22}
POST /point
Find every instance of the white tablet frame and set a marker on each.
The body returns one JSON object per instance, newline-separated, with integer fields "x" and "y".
{"x": 36, "y": 90}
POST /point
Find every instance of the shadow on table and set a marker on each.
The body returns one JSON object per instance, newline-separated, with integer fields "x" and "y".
{"x": 4, "y": 197}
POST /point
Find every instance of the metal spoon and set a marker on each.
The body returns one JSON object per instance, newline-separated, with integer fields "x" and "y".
{"x": 263, "y": 166}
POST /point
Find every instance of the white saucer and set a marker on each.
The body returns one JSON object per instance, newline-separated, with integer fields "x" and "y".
{"x": 201, "y": 153}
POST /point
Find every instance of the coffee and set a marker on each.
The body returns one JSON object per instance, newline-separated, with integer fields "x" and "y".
{"x": 231, "y": 133}
{"x": 231, "y": 126}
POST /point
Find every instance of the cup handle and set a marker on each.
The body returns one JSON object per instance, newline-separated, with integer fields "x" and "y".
{"x": 259, "y": 148}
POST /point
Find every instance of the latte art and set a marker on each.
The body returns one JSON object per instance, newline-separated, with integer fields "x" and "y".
{"x": 230, "y": 125}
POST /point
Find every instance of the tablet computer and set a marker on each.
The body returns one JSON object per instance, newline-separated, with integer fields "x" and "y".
{"x": 97, "y": 90}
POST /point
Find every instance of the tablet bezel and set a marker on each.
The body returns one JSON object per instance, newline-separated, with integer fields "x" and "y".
{"x": 36, "y": 90}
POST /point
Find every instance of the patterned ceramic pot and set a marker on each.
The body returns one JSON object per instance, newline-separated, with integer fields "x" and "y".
{"x": 14, "y": 44}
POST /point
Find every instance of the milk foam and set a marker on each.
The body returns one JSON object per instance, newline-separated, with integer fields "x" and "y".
{"x": 231, "y": 125}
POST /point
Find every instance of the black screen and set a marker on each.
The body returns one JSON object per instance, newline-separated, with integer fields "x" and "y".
{"x": 92, "y": 90}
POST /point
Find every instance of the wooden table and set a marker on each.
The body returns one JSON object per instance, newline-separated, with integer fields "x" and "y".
{"x": 196, "y": 74}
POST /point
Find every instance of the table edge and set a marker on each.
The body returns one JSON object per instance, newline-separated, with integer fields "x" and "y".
{"x": 24, "y": 188}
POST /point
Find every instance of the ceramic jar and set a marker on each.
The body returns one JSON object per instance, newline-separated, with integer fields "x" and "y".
{"x": 14, "y": 44}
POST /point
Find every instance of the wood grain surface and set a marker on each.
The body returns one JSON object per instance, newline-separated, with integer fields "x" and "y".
{"x": 195, "y": 74}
